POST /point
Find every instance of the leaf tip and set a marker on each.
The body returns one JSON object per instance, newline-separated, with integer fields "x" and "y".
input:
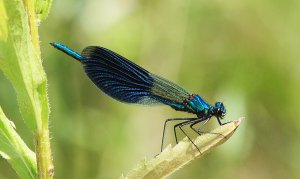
{"x": 174, "y": 158}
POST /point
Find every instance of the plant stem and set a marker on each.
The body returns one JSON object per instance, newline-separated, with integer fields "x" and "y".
{"x": 43, "y": 149}
{"x": 43, "y": 155}
{"x": 32, "y": 22}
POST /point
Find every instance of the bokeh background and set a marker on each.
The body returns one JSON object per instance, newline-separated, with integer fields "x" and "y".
{"x": 242, "y": 52}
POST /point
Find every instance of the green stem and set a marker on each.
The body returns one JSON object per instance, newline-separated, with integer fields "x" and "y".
{"x": 43, "y": 155}
{"x": 43, "y": 149}
{"x": 32, "y": 21}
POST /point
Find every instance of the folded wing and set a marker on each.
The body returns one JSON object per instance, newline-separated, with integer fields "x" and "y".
{"x": 127, "y": 82}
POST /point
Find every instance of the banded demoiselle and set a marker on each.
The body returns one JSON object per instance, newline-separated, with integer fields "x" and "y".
{"x": 127, "y": 82}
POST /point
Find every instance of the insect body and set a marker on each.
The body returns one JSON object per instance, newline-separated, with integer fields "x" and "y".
{"x": 127, "y": 82}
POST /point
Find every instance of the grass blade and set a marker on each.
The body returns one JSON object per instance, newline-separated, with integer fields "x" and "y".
{"x": 172, "y": 159}
{"x": 15, "y": 151}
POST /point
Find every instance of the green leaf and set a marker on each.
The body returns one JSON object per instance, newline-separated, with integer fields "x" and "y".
{"x": 15, "y": 151}
{"x": 3, "y": 19}
{"x": 20, "y": 61}
{"x": 172, "y": 159}
{"x": 42, "y": 8}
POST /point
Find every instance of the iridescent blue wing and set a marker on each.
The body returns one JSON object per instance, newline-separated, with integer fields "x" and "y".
{"x": 116, "y": 76}
{"x": 128, "y": 82}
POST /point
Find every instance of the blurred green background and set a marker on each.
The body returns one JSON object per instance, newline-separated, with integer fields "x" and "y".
{"x": 242, "y": 52}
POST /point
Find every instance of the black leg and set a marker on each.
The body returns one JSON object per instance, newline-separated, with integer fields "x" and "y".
{"x": 199, "y": 131}
{"x": 202, "y": 125}
{"x": 219, "y": 121}
{"x": 221, "y": 124}
{"x": 174, "y": 119}
{"x": 192, "y": 122}
{"x": 180, "y": 127}
{"x": 196, "y": 122}
{"x": 191, "y": 126}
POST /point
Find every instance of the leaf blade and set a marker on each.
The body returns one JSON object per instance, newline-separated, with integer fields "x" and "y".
{"x": 15, "y": 151}
{"x": 172, "y": 159}
{"x": 20, "y": 62}
{"x": 42, "y": 9}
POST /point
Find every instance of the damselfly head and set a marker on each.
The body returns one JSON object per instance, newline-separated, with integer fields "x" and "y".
{"x": 219, "y": 110}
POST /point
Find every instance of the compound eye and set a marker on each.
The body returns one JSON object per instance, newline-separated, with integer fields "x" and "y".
{"x": 219, "y": 105}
